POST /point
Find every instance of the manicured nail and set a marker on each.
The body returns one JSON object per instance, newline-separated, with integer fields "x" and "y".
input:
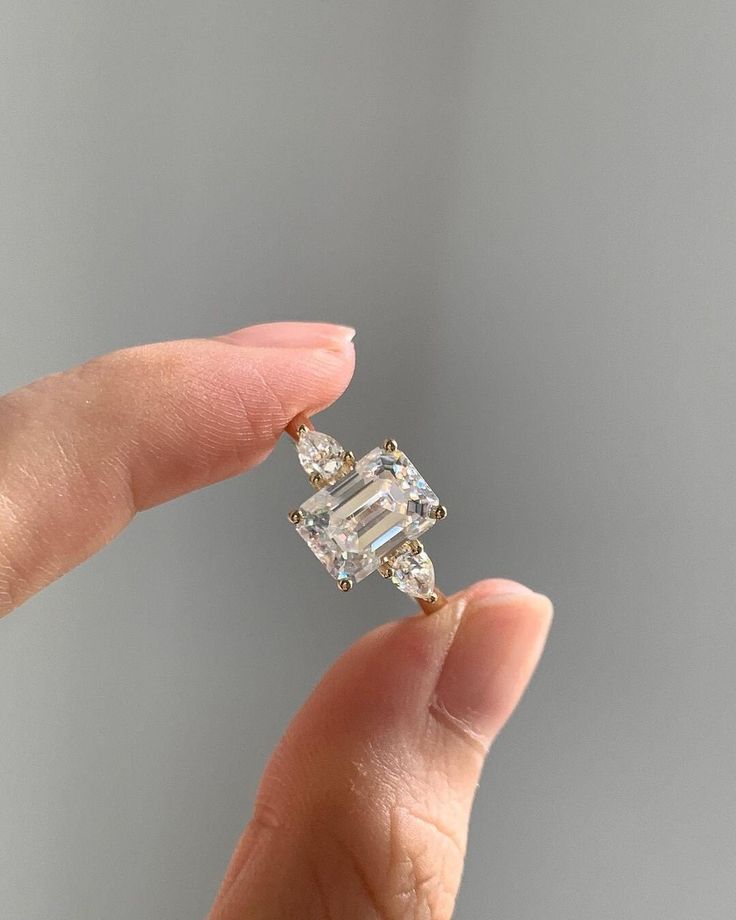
{"x": 493, "y": 587}
{"x": 492, "y": 657}
{"x": 293, "y": 335}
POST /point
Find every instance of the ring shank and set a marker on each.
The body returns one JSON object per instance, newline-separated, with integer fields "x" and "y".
{"x": 430, "y": 607}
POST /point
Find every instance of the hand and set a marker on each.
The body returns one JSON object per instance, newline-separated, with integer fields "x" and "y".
{"x": 363, "y": 808}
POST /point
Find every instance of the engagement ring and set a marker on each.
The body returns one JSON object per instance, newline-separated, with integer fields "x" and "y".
{"x": 367, "y": 514}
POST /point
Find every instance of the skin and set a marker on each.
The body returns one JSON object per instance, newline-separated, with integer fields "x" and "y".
{"x": 363, "y": 809}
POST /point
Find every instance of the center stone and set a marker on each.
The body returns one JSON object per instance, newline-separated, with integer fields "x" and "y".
{"x": 351, "y": 525}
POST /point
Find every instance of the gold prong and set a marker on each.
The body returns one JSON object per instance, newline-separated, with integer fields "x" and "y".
{"x": 297, "y": 426}
{"x": 295, "y": 516}
{"x": 439, "y": 513}
{"x": 417, "y": 547}
{"x": 316, "y": 480}
{"x": 388, "y": 559}
{"x": 385, "y": 570}
{"x": 345, "y": 584}
{"x": 433, "y": 598}
{"x": 390, "y": 445}
{"x": 349, "y": 456}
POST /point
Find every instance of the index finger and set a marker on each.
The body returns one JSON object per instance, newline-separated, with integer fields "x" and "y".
{"x": 83, "y": 450}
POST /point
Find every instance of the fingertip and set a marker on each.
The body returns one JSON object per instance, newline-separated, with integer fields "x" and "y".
{"x": 220, "y": 410}
{"x": 495, "y": 650}
{"x": 492, "y": 587}
{"x": 308, "y": 365}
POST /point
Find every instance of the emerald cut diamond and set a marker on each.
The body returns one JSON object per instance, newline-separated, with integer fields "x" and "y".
{"x": 351, "y": 525}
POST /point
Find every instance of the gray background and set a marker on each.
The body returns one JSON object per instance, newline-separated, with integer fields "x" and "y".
{"x": 527, "y": 209}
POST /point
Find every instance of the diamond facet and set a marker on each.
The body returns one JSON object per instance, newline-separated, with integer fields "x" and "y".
{"x": 413, "y": 573}
{"x": 354, "y": 523}
{"x": 320, "y": 454}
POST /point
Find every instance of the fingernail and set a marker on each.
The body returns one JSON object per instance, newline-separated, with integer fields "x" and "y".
{"x": 293, "y": 335}
{"x": 493, "y": 587}
{"x": 492, "y": 657}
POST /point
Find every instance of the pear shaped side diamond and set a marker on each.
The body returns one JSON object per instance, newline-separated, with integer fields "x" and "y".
{"x": 413, "y": 573}
{"x": 320, "y": 454}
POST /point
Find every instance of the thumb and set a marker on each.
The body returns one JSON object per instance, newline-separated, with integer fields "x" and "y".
{"x": 363, "y": 809}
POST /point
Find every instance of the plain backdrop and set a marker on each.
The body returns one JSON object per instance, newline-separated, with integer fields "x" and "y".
{"x": 528, "y": 211}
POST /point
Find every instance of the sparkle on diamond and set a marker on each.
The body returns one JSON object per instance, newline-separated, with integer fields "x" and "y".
{"x": 413, "y": 573}
{"x": 351, "y": 525}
